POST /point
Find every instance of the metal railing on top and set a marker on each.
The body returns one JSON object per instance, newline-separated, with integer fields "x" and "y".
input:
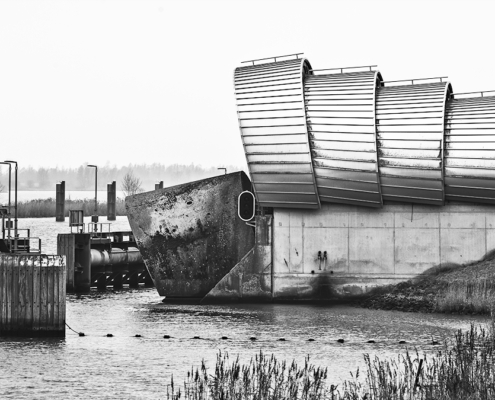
{"x": 465, "y": 93}
{"x": 270, "y": 58}
{"x": 417, "y": 79}
{"x": 341, "y": 69}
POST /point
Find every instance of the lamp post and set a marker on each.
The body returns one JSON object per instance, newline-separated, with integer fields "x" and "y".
{"x": 15, "y": 204}
{"x": 10, "y": 189}
{"x": 96, "y": 185}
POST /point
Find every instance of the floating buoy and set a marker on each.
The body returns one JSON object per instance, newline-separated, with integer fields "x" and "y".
{"x": 224, "y": 337}
{"x": 311, "y": 340}
{"x": 371, "y": 341}
{"x": 281, "y": 339}
{"x": 81, "y": 334}
{"x": 434, "y": 342}
{"x": 402, "y": 342}
{"x": 166, "y": 336}
{"x": 109, "y": 335}
{"x": 196, "y": 337}
{"x": 340, "y": 340}
{"x": 252, "y": 338}
{"x": 137, "y": 336}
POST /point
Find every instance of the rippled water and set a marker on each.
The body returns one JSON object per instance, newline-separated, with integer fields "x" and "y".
{"x": 124, "y": 366}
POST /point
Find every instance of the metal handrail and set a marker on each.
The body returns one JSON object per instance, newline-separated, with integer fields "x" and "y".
{"x": 417, "y": 79}
{"x": 484, "y": 91}
{"x": 342, "y": 68}
{"x": 275, "y": 58}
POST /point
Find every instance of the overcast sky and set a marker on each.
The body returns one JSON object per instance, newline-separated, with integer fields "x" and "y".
{"x": 123, "y": 82}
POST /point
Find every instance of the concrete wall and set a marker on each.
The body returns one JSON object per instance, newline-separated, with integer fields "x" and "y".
{"x": 367, "y": 247}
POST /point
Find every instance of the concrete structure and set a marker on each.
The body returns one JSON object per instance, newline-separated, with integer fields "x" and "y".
{"x": 370, "y": 247}
{"x": 358, "y": 181}
{"x": 60, "y": 202}
{"x": 111, "y": 201}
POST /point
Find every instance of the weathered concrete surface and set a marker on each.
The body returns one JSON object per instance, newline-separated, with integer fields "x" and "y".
{"x": 250, "y": 279}
{"x": 189, "y": 235}
{"x": 367, "y": 248}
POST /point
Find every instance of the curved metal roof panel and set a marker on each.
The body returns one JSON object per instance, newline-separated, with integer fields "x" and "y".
{"x": 470, "y": 150}
{"x": 340, "y": 110}
{"x": 410, "y": 129}
{"x": 270, "y": 107}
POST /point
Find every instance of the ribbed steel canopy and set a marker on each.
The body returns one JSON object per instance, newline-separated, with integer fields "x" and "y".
{"x": 350, "y": 138}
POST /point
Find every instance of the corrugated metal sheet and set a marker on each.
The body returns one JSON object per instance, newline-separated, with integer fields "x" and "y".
{"x": 470, "y": 150}
{"x": 410, "y": 125}
{"x": 340, "y": 110}
{"x": 270, "y": 105}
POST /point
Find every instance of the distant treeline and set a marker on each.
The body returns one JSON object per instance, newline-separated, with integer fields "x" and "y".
{"x": 83, "y": 178}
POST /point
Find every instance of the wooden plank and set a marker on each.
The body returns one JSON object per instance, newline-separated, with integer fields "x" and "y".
{"x": 2, "y": 294}
{"x": 43, "y": 298}
{"x": 15, "y": 294}
{"x": 9, "y": 294}
{"x": 50, "y": 303}
{"x": 36, "y": 296}
{"x": 21, "y": 293}
{"x": 62, "y": 297}
{"x": 29, "y": 294}
{"x": 56, "y": 277}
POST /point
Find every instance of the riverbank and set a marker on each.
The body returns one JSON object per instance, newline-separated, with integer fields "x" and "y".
{"x": 452, "y": 288}
{"x": 46, "y": 208}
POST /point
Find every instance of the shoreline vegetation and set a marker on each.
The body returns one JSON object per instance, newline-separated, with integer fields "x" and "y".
{"x": 450, "y": 288}
{"x": 46, "y": 208}
{"x": 462, "y": 370}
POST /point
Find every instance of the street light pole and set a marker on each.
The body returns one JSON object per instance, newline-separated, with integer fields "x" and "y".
{"x": 10, "y": 189}
{"x": 15, "y": 204}
{"x": 96, "y": 186}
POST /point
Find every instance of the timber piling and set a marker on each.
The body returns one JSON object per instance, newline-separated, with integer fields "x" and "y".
{"x": 32, "y": 295}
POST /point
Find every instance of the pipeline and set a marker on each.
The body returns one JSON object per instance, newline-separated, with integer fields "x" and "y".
{"x": 102, "y": 258}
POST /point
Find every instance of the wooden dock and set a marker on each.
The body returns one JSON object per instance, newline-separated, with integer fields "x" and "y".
{"x": 32, "y": 295}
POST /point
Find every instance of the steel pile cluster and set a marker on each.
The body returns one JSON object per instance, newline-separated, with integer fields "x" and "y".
{"x": 348, "y": 137}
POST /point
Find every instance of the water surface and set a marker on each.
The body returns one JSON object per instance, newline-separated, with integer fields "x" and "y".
{"x": 124, "y": 366}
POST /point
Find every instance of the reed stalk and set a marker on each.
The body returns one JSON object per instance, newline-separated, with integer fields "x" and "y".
{"x": 463, "y": 369}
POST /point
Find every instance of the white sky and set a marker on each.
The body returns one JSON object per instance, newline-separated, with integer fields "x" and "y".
{"x": 123, "y": 82}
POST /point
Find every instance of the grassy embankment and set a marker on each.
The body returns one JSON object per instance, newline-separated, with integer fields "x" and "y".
{"x": 462, "y": 370}
{"x": 45, "y": 208}
{"x": 450, "y": 288}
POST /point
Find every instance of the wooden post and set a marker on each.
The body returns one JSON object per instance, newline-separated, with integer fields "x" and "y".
{"x": 60, "y": 202}
{"x": 32, "y": 295}
{"x": 111, "y": 201}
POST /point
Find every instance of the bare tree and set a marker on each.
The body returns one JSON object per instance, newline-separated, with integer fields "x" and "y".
{"x": 131, "y": 184}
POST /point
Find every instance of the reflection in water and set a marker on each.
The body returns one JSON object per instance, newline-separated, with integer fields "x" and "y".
{"x": 125, "y": 366}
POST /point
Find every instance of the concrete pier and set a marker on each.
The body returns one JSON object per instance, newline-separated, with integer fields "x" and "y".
{"x": 60, "y": 202}
{"x": 111, "y": 201}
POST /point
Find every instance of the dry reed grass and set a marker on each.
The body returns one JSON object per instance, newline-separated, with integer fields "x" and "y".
{"x": 45, "y": 208}
{"x": 463, "y": 370}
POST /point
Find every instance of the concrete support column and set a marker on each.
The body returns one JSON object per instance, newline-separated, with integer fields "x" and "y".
{"x": 111, "y": 201}
{"x": 60, "y": 202}
{"x": 117, "y": 281}
{"x": 134, "y": 280}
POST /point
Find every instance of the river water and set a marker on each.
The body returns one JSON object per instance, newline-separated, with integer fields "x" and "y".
{"x": 125, "y": 366}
